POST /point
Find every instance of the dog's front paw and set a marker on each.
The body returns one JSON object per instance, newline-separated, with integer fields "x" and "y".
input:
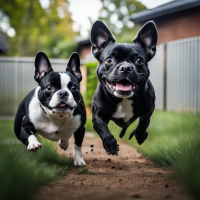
{"x": 79, "y": 162}
{"x": 64, "y": 144}
{"x": 140, "y": 136}
{"x": 111, "y": 146}
{"x": 33, "y": 145}
{"x": 77, "y": 155}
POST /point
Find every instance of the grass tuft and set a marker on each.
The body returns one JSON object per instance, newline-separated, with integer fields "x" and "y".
{"x": 83, "y": 170}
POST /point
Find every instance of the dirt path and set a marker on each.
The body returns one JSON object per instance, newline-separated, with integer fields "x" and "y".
{"x": 126, "y": 176}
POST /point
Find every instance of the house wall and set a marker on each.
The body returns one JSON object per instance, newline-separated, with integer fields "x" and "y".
{"x": 85, "y": 51}
{"x": 180, "y": 25}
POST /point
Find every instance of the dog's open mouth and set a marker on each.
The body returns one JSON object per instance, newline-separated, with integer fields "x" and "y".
{"x": 125, "y": 86}
{"x": 63, "y": 106}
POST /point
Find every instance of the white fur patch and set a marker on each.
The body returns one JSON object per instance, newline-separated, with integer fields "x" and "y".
{"x": 33, "y": 144}
{"x": 65, "y": 79}
{"x": 77, "y": 155}
{"x": 122, "y": 96}
{"x": 35, "y": 112}
{"x": 124, "y": 110}
{"x": 47, "y": 124}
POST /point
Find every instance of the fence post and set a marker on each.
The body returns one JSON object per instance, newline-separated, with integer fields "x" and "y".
{"x": 165, "y": 77}
{"x": 84, "y": 80}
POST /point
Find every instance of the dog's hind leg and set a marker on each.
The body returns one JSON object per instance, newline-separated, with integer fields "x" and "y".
{"x": 77, "y": 151}
{"x": 122, "y": 133}
{"x": 79, "y": 135}
{"x": 140, "y": 132}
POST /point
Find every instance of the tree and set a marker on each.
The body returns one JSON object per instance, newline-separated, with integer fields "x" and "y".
{"x": 37, "y": 29}
{"x": 116, "y": 14}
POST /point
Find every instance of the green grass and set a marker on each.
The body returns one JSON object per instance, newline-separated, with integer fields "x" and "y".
{"x": 173, "y": 142}
{"x": 22, "y": 172}
{"x": 89, "y": 125}
{"x": 83, "y": 170}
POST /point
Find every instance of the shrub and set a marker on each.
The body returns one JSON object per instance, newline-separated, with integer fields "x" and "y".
{"x": 65, "y": 49}
{"x": 92, "y": 82}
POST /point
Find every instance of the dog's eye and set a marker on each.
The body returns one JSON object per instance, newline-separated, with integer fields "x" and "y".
{"x": 104, "y": 44}
{"x": 139, "y": 61}
{"x": 49, "y": 88}
{"x": 109, "y": 60}
{"x": 74, "y": 88}
{"x": 94, "y": 48}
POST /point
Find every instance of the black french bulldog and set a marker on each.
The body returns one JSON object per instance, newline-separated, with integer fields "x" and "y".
{"x": 55, "y": 109}
{"x": 124, "y": 92}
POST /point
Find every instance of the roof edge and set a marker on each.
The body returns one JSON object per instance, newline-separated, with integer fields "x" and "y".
{"x": 156, "y": 12}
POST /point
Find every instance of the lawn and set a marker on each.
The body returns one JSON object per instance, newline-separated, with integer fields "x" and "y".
{"x": 22, "y": 172}
{"x": 173, "y": 142}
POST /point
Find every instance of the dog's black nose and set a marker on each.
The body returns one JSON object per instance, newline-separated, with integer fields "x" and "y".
{"x": 126, "y": 69}
{"x": 63, "y": 94}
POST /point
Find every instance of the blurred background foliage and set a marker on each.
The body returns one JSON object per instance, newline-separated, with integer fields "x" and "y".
{"x": 37, "y": 28}
{"x": 92, "y": 82}
{"x": 116, "y": 14}
{"x": 66, "y": 48}
{"x": 33, "y": 28}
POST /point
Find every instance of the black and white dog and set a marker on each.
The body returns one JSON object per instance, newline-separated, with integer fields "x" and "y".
{"x": 124, "y": 92}
{"x": 55, "y": 109}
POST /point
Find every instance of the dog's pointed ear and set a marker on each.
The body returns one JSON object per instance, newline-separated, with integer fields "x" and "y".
{"x": 42, "y": 66}
{"x": 73, "y": 66}
{"x": 100, "y": 37}
{"x": 147, "y": 38}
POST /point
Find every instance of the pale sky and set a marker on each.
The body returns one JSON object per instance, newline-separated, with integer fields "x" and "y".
{"x": 83, "y": 9}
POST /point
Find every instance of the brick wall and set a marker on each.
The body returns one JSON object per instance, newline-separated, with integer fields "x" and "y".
{"x": 179, "y": 25}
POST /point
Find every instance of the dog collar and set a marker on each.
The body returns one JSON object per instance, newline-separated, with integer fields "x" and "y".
{"x": 43, "y": 109}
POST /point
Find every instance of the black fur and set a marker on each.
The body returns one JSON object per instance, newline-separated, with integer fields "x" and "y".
{"x": 122, "y": 63}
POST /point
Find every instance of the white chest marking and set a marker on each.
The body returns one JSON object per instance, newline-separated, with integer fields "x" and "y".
{"x": 124, "y": 110}
{"x": 48, "y": 125}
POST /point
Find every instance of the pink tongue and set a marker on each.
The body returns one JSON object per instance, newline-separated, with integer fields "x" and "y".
{"x": 62, "y": 104}
{"x": 123, "y": 87}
